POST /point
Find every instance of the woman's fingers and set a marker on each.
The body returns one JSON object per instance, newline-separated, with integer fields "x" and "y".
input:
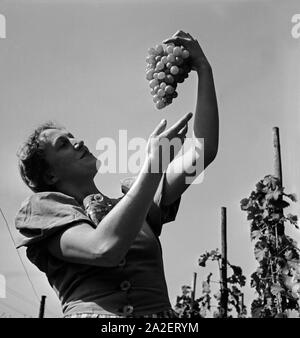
{"x": 182, "y": 134}
{"x": 160, "y": 128}
{"x": 183, "y": 131}
{"x": 189, "y": 35}
{"x": 157, "y": 149}
{"x": 177, "y": 40}
{"x": 179, "y": 34}
{"x": 175, "y": 129}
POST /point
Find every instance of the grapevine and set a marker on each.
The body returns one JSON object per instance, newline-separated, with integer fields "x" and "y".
{"x": 202, "y": 306}
{"x": 277, "y": 278}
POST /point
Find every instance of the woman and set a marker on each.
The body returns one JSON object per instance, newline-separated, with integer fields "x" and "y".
{"x": 102, "y": 256}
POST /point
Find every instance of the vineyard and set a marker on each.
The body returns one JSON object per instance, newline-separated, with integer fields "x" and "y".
{"x": 276, "y": 280}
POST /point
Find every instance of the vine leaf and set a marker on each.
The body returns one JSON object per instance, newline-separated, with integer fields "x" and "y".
{"x": 293, "y": 219}
{"x": 255, "y": 235}
{"x": 292, "y": 197}
{"x": 260, "y": 253}
{"x": 186, "y": 290}
{"x": 237, "y": 270}
{"x": 244, "y": 203}
{"x": 202, "y": 260}
{"x": 279, "y": 204}
{"x": 289, "y": 254}
{"x": 257, "y": 311}
{"x": 276, "y": 289}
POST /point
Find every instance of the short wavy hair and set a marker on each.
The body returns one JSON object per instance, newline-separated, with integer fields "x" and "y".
{"x": 31, "y": 161}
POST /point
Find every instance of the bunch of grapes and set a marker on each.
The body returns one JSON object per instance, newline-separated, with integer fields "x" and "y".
{"x": 166, "y": 67}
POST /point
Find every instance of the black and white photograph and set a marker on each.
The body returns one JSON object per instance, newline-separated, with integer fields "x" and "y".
{"x": 149, "y": 161}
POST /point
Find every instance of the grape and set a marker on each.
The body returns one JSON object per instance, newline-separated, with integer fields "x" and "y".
{"x": 153, "y": 83}
{"x": 175, "y": 94}
{"x": 180, "y": 79}
{"x": 177, "y": 51}
{"x": 155, "y": 75}
{"x": 159, "y": 49}
{"x": 161, "y": 92}
{"x": 160, "y": 66}
{"x": 160, "y": 104}
{"x": 169, "y": 49}
{"x": 169, "y": 65}
{"x": 156, "y": 98}
{"x": 185, "y": 54}
{"x": 152, "y": 91}
{"x": 152, "y": 51}
{"x": 164, "y": 59}
{"x": 169, "y": 100}
{"x": 163, "y": 85}
{"x": 180, "y": 71}
{"x": 149, "y": 74}
{"x": 150, "y": 66}
{"x": 174, "y": 70}
{"x": 171, "y": 58}
{"x": 169, "y": 90}
{"x": 161, "y": 75}
{"x": 157, "y": 58}
{"x": 150, "y": 59}
{"x": 169, "y": 79}
{"x": 156, "y": 88}
{"x": 179, "y": 60}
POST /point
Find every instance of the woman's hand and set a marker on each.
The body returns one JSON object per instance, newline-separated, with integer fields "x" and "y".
{"x": 159, "y": 151}
{"x": 197, "y": 57}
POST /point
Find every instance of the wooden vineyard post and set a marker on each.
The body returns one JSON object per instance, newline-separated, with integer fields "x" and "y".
{"x": 242, "y": 304}
{"x": 194, "y": 287}
{"x": 42, "y": 307}
{"x": 277, "y": 155}
{"x": 278, "y": 171}
{"x": 224, "y": 290}
{"x": 279, "y": 229}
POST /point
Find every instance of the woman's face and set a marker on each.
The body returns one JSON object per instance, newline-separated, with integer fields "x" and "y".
{"x": 68, "y": 158}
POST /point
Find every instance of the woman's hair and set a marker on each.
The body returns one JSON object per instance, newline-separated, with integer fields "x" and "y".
{"x": 31, "y": 162}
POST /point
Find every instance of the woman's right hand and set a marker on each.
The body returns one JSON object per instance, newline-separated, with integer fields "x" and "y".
{"x": 197, "y": 56}
{"x": 159, "y": 149}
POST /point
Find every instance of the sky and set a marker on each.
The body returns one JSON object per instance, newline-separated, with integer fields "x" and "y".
{"x": 82, "y": 63}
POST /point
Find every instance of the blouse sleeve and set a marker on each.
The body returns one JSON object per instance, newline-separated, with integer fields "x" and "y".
{"x": 158, "y": 213}
{"x": 46, "y": 213}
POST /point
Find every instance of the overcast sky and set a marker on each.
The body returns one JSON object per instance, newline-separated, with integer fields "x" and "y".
{"x": 82, "y": 63}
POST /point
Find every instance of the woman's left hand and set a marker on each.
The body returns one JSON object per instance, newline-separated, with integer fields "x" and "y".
{"x": 198, "y": 58}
